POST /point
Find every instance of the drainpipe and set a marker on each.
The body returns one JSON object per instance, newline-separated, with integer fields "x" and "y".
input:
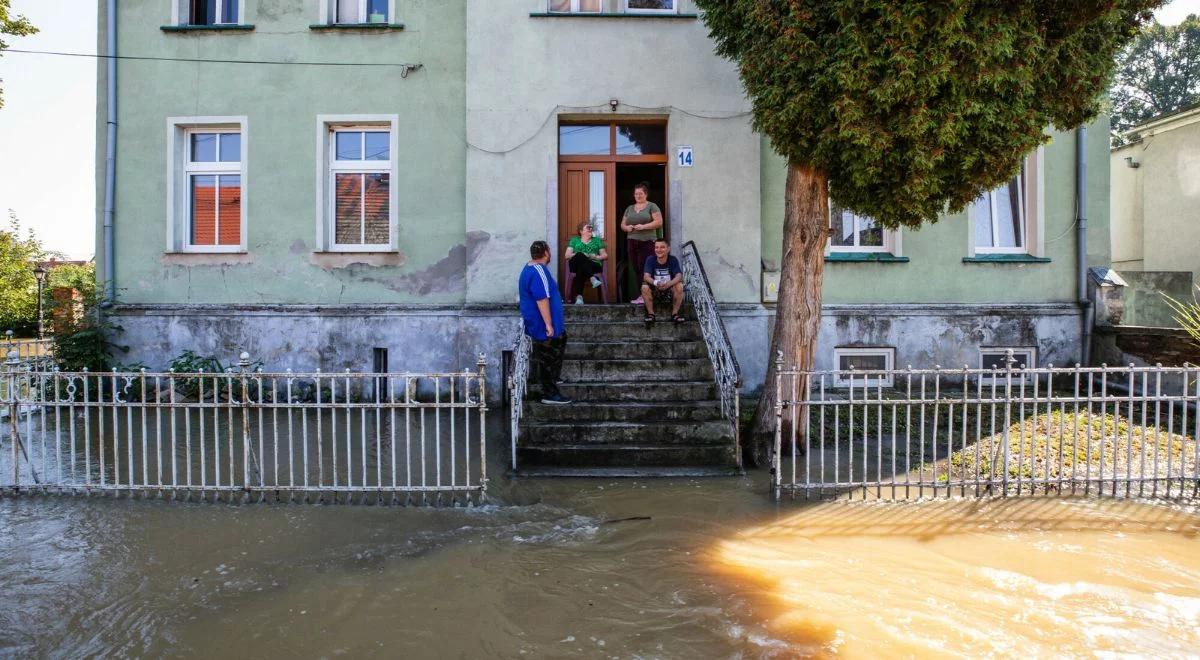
{"x": 110, "y": 158}
{"x": 1081, "y": 244}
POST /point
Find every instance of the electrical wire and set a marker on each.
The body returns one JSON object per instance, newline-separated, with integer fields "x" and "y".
{"x": 149, "y": 58}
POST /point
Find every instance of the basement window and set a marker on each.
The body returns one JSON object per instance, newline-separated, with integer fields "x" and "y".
{"x": 864, "y": 366}
{"x": 996, "y": 358}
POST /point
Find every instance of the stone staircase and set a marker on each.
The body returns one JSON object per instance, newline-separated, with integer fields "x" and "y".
{"x": 646, "y": 403}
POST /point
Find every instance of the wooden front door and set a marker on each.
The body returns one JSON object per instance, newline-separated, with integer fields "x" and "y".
{"x": 587, "y": 191}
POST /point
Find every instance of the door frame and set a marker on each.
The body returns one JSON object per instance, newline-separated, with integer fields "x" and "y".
{"x": 608, "y": 162}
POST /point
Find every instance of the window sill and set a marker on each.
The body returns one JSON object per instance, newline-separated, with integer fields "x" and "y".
{"x": 864, "y": 257}
{"x": 335, "y": 259}
{"x": 620, "y": 14}
{"x": 214, "y": 258}
{"x": 382, "y": 27}
{"x": 1005, "y": 259}
{"x": 207, "y": 28}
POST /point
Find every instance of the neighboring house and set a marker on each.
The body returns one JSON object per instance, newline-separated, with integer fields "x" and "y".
{"x": 331, "y": 216}
{"x": 1156, "y": 196}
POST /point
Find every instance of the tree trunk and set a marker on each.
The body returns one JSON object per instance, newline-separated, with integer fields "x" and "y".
{"x": 798, "y": 313}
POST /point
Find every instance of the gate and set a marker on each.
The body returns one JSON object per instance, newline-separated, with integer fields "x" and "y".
{"x": 1012, "y": 431}
{"x": 409, "y": 438}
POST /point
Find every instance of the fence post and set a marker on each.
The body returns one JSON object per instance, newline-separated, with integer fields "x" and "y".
{"x": 11, "y": 365}
{"x": 481, "y": 363}
{"x": 776, "y": 467}
{"x": 243, "y": 364}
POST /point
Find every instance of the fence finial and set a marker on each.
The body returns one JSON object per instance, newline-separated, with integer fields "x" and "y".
{"x": 12, "y": 359}
{"x": 1009, "y": 359}
{"x": 779, "y": 360}
{"x": 243, "y": 361}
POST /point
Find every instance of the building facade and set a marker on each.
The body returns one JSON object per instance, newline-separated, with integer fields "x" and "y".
{"x": 317, "y": 181}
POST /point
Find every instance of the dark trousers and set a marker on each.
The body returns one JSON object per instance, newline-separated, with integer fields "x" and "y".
{"x": 583, "y": 267}
{"x": 547, "y": 359}
{"x": 639, "y": 252}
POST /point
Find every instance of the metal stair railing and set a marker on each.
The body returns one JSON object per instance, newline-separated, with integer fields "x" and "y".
{"x": 517, "y": 383}
{"x": 726, "y": 369}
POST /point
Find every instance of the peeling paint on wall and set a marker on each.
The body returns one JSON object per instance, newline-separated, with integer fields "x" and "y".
{"x": 447, "y": 275}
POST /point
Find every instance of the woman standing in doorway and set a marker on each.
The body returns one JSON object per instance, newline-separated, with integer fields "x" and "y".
{"x": 641, "y": 223}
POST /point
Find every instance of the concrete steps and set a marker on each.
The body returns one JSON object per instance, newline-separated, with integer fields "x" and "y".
{"x": 646, "y": 403}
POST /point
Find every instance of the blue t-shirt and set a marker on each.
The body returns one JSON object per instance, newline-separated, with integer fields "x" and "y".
{"x": 661, "y": 272}
{"x": 538, "y": 284}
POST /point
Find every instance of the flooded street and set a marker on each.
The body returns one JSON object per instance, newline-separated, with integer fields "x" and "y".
{"x": 599, "y": 568}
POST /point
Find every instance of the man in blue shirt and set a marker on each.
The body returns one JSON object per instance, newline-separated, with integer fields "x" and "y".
{"x": 542, "y": 313}
{"x": 662, "y": 281}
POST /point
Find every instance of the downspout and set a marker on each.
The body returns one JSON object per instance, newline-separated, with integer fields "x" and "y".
{"x": 1085, "y": 304}
{"x": 110, "y": 157}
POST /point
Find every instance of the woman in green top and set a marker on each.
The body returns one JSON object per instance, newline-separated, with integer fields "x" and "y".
{"x": 584, "y": 254}
{"x": 641, "y": 223}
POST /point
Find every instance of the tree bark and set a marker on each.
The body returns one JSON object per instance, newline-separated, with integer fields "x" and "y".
{"x": 798, "y": 312}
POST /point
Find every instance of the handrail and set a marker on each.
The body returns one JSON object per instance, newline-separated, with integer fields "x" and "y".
{"x": 727, "y": 371}
{"x": 517, "y": 382}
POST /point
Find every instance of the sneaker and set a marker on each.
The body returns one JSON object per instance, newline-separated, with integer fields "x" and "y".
{"x": 578, "y": 300}
{"x": 556, "y": 399}
{"x": 637, "y": 301}
{"x": 595, "y": 282}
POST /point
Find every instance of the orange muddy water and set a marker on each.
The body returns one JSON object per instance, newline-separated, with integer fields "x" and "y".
{"x": 601, "y": 568}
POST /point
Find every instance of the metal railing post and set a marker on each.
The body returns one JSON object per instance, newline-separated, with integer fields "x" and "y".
{"x": 776, "y": 467}
{"x": 11, "y": 364}
{"x": 481, "y": 364}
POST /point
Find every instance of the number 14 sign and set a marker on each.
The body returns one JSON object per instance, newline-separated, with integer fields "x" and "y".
{"x": 683, "y": 155}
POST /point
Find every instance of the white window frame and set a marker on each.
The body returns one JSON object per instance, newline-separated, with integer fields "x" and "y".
{"x": 181, "y": 9}
{"x": 629, "y": 10}
{"x": 1033, "y": 212}
{"x": 891, "y": 240}
{"x": 840, "y": 379}
{"x": 328, "y": 9}
{"x": 328, "y": 166}
{"x": 180, "y": 169}
{"x": 575, "y": 8}
{"x": 1022, "y": 376}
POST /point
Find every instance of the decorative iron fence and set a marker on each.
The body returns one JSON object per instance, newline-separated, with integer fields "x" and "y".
{"x": 919, "y": 433}
{"x": 720, "y": 350}
{"x": 518, "y": 381}
{"x": 34, "y": 353}
{"x": 332, "y": 437}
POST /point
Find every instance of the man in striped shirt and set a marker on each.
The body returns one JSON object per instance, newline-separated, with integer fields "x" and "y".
{"x": 542, "y": 313}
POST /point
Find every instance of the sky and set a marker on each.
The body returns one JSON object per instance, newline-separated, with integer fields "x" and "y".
{"x": 48, "y": 130}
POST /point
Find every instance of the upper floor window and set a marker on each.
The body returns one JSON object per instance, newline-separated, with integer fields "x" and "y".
{"x": 357, "y": 194}
{"x": 651, "y": 6}
{"x": 360, "y": 11}
{"x": 575, "y": 6}
{"x": 214, "y": 12}
{"x": 851, "y": 232}
{"x": 1000, "y": 218}
{"x": 206, "y": 210}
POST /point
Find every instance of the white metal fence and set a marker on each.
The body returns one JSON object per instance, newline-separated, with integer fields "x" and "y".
{"x": 32, "y": 353}
{"x": 919, "y": 433}
{"x": 407, "y": 438}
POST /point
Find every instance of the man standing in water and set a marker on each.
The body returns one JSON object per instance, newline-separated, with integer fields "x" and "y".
{"x": 542, "y": 313}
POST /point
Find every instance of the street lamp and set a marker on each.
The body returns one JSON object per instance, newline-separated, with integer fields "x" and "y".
{"x": 40, "y": 274}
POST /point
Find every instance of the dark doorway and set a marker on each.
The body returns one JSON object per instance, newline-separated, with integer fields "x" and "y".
{"x": 629, "y": 175}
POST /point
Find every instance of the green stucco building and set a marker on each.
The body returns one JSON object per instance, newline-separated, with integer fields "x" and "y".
{"x": 314, "y": 180}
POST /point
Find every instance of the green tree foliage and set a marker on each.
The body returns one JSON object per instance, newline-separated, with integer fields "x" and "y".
{"x": 911, "y": 108}
{"x": 18, "y": 287}
{"x": 1158, "y": 73}
{"x": 13, "y": 24}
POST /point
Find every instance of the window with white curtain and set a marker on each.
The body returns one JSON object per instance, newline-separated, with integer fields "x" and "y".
{"x": 1000, "y": 218}
{"x": 574, "y": 6}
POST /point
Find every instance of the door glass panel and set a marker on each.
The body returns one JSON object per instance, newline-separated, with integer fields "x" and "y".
{"x": 583, "y": 140}
{"x": 635, "y": 139}
{"x": 596, "y": 201}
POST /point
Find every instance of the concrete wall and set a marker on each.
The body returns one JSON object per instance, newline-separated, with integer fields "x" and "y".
{"x": 524, "y": 73}
{"x": 1156, "y": 207}
{"x": 282, "y": 104}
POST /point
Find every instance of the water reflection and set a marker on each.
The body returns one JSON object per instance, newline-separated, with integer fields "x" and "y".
{"x": 1036, "y": 577}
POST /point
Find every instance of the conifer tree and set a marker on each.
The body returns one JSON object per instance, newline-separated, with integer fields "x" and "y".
{"x": 901, "y": 110}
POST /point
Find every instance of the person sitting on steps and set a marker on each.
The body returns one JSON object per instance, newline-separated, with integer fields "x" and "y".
{"x": 585, "y": 256}
{"x": 662, "y": 281}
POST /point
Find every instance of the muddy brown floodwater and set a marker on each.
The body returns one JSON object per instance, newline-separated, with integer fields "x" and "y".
{"x": 600, "y": 568}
